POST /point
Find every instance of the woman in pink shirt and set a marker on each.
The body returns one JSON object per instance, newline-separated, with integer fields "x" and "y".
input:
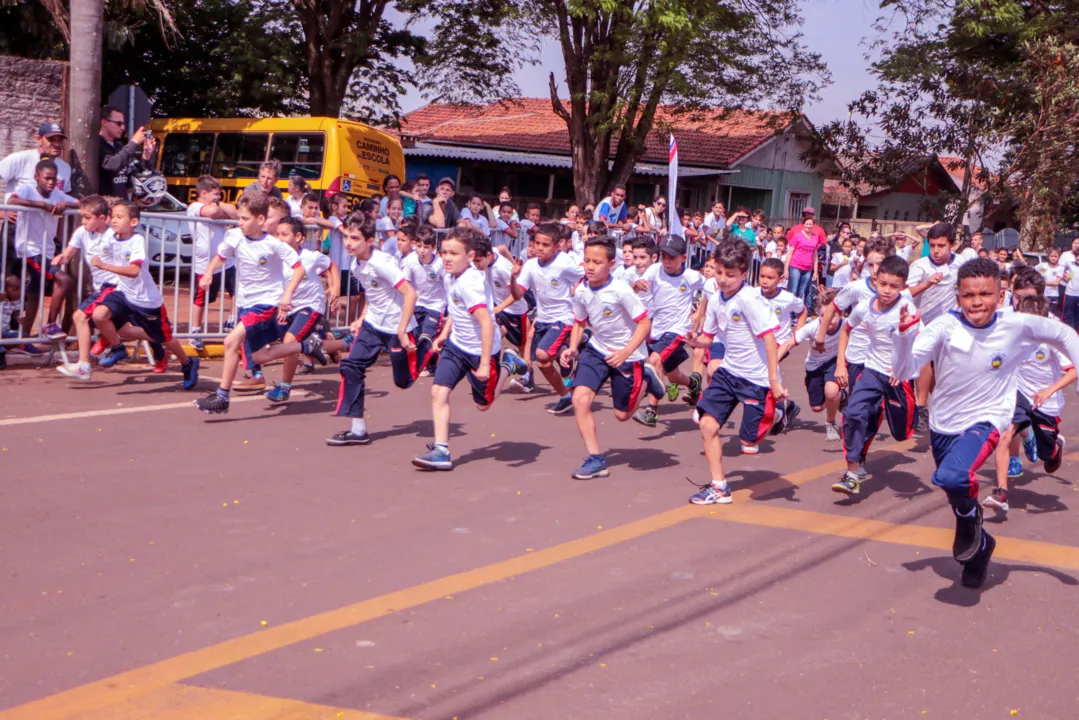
{"x": 804, "y": 240}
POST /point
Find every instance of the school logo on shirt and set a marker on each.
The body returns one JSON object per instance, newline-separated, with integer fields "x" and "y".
{"x": 682, "y": 288}
{"x": 456, "y": 298}
{"x": 607, "y": 311}
{"x": 554, "y": 282}
{"x": 374, "y": 283}
{"x": 996, "y": 361}
{"x": 262, "y": 261}
{"x": 498, "y": 284}
{"x": 1040, "y": 354}
{"x": 735, "y": 317}
{"x": 431, "y": 276}
{"x": 779, "y": 312}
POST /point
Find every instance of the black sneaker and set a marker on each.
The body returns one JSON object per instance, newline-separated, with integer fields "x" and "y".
{"x": 790, "y": 414}
{"x": 977, "y": 570}
{"x": 968, "y": 536}
{"x": 347, "y": 437}
{"x": 213, "y": 404}
{"x": 1053, "y": 463}
{"x": 695, "y": 388}
{"x": 921, "y": 419}
{"x": 312, "y": 347}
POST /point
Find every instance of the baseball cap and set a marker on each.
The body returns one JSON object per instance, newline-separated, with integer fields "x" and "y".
{"x": 673, "y": 245}
{"x": 809, "y": 210}
{"x": 50, "y": 128}
{"x": 447, "y": 180}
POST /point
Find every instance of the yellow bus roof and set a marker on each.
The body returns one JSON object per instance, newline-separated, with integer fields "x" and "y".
{"x": 289, "y": 124}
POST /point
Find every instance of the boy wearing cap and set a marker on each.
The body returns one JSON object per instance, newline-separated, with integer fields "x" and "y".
{"x": 18, "y": 168}
{"x": 672, "y": 287}
{"x": 441, "y": 212}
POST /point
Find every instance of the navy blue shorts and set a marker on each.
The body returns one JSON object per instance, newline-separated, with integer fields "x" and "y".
{"x": 550, "y": 338}
{"x": 1046, "y": 428}
{"x": 816, "y": 379}
{"x": 958, "y": 458}
{"x": 260, "y": 324}
{"x": 727, "y": 391}
{"x": 671, "y": 349}
{"x": 716, "y": 352}
{"x": 92, "y": 300}
{"x": 301, "y": 324}
{"x": 516, "y": 327}
{"x": 854, "y": 371}
{"x": 154, "y": 322}
{"x": 202, "y": 295}
{"x": 454, "y": 365}
{"x": 428, "y": 322}
{"x": 350, "y": 286}
{"x": 627, "y": 381}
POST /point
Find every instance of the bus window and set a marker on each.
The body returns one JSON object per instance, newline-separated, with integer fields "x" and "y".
{"x": 186, "y": 154}
{"x": 238, "y": 154}
{"x": 300, "y": 153}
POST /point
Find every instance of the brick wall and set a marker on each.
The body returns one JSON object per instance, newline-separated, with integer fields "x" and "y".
{"x": 33, "y": 92}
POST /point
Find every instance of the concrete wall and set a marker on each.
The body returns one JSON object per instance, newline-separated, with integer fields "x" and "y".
{"x": 33, "y": 92}
{"x": 782, "y": 153}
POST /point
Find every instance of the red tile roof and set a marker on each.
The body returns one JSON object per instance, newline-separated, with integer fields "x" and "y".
{"x": 957, "y": 169}
{"x": 711, "y": 138}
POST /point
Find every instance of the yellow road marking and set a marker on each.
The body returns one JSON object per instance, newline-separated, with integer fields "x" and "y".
{"x": 1029, "y": 551}
{"x": 102, "y": 695}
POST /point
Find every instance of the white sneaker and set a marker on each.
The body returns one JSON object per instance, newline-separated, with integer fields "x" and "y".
{"x": 74, "y": 371}
{"x": 831, "y": 432}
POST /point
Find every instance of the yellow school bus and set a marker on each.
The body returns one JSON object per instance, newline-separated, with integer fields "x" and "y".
{"x": 333, "y": 156}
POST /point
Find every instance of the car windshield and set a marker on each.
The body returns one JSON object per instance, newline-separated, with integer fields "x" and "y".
{"x": 167, "y": 204}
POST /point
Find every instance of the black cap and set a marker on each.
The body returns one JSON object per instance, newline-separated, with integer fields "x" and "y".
{"x": 942, "y": 230}
{"x": 673, "y": 245}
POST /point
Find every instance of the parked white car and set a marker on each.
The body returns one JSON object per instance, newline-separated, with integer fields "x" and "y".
{"x": 166, "y": 238}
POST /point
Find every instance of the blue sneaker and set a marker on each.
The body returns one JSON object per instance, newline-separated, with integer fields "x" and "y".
{"x": 512, "y": 363}
{"x": 30, "y": 349}
{"x": 655, "y": 385}
{"x": 434, "y": 459}
{"x": 1015, "y": 467}
{"x": 113, "y": 356}
{"x": 563, "y": 406}
{"x": 191, "y": 374}
{"x": 1030, "y": 446}
{"x": 712, "y": 495}
{"x": 277, "y": 394}
{"x": 594, "y": 466}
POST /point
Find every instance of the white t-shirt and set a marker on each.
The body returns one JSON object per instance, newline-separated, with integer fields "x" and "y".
{"x": 478, "y": 221}
{"x": 1043, "y": 367}
{"x": 386, "y": 232}
{"x": 613, "y": 311}
{"x": 849, "y": 297}
{"x": 34, "y": 229}
{"x": 294, "y": 205}
{"x": 881, "y": 327}
{"x": 1051, "y": 272}
{"x": 657, "y": 223}
{"x": 741, "y": 322}
{"x": 499, "y": 236}
{"x": 1068, "y": 262}
{"x": 498, "y": 277}
{"x": 785, "y": 306}
{"x": 975, "y": 368}
{"x": 310, "y": 294}
{"x": 18, "y": 169}
{"x": 713, "y": 224}
{"x": 808, "y": 333}
{"x": 967, "y": 255}
{"x": 672, "y": 299}
{"x": 841, "y": 279}
{"x": 95, "y": 245}
{"x": 710, "y": 289}
{"x": 139, "y": 290}
{"x": 523, "y": 238}
{"x": 467, "y": 293}
{"x": 428, "y": 280}
{"x": 936, "y": 299}
{"x": 338, "y": 251}
{"x": 263, "y": 266}
{"x": 904, "y": 252}
{"x": 206, "y": 237}
{"x": 552, "y": 284}
{"x": 380, "y": 278}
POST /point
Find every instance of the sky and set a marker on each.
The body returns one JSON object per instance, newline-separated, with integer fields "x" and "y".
{"x": 834, "y": 28}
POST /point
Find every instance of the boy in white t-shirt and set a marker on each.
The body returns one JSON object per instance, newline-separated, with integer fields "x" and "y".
{"x": 34, "y": 234}
{"x": 423, "y": 269}
{"x": 1053, "y": 274}
{"x": 821, "y": 387}
{"x": 506, "y": 233}
{"x": 469, "y": 345}
{"x": 473, "y": 215}
{"x": 206, "y": 238}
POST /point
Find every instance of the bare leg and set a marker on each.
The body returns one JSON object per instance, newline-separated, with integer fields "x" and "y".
{"x": 586, "y": 421}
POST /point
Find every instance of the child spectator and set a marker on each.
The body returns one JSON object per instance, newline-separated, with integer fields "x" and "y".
{"x": 473, "y": 215}
{"x": 207, "y": 238}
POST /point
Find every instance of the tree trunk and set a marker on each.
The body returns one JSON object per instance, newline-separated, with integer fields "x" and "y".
{"x": 84, "y": 92}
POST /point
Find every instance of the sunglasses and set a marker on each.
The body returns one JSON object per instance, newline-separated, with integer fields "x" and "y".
{"x": 121, "y": 123}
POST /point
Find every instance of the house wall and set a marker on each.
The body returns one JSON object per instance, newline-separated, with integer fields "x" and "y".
{"x": 769, "y": 175}
{"x": 898, "y": 206}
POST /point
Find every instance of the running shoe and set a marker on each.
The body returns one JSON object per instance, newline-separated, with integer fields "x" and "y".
{"x": 229, "y": 325}
{"x": 779, "y": 420}
{"x": 306, "y": 368}
{"x": 54, "y": 331}
{"x": 977, "y": 569}
{"x": 425, "y": 373}
{"x": 524, "y": 383}
{"x": 255, "y": 383}
{"x": 347, "y": 437}
{"x": 594, "y": 466}
{"x": 921, "y": 420}
{"x": 862, "y": 473}
{"x": 197, "y": 344}
{"x": 1030, "y": 445}
{"x": 191, "y": 373}
{"x": 695, "y": 388}
{"x": 654, "y": 382}
{"x": 751, "y": 449}
{"x": 213, "y": 404}
{"x": 161, "y": 366}
{"x": 790, "y": 414}
{"x": 998, "y": 500}
{"x": 434, "y": 459}
{"x": 75, "y": 371}
{"x": 277, "y": 394}
{"x": 513, "y": 363}
{"x": 1053, "y": 463}
{"x": 563, "y": 406}
{"x": 968, "y": 536}
{"x": 711, "y": 495}
{"x": 114, "y": 355}
{"x": 831, "y": 432}
{"x": 312, "y": 347}
{"x": 646, "y": 416}
{"x": 1015, "y": 468}
{"x": 99, "y": 347}
{"x": 848, "y": 484}
{"x": 672, "y": 392}
{"x": 29, "y": 349}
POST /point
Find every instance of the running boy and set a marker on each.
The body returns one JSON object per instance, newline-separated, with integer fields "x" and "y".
{"x": 820, "y": 382}
{"x": 619, "y": 326}
{"x": 551, "y": 275}
{"x": 750, "y": 372}
{"x": 976, "y": 352}
{"x": 92, "y": 239}
{"x": 423, "y": 270}
{"x": 511, "y": 314}
{"x": 468, "y": 346}
{"x": 386, "y": 324}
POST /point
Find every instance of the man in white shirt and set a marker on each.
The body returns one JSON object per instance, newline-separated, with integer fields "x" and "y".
{"x": 18, "y": 167}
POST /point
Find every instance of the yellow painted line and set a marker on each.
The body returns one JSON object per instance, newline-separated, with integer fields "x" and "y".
{"x": 1029, "y": 551}
{"x": 187, "y": 702}
{"x": 104, "y": 694}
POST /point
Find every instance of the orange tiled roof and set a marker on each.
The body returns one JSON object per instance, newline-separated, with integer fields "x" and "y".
{"x": 711, "y": 138}
{"x": 957, "y": 169}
